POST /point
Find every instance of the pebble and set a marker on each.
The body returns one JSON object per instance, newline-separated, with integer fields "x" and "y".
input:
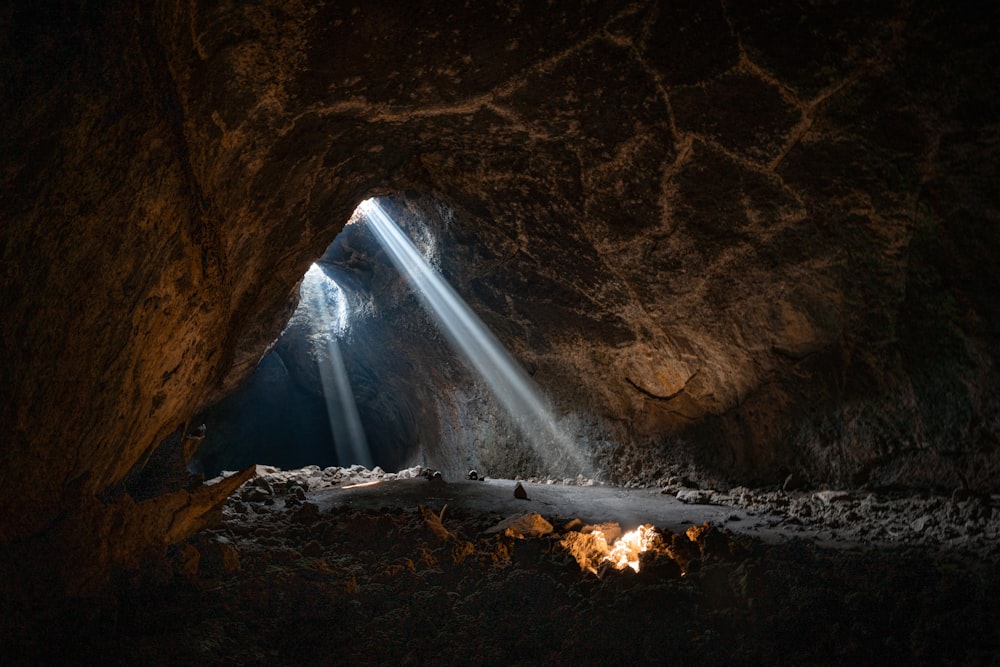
{"x": 919, "y": 525}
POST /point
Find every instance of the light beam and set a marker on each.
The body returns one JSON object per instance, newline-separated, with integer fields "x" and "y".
{"x": 508, "y": 382}
{"x": 330, "y": 305}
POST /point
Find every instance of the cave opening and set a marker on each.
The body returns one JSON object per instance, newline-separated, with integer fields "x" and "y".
{"x": 299, "y": 407}
{"x": 383, "y": 364}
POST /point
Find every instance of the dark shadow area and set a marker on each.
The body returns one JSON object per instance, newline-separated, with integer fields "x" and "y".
{"x": 425, "y": 585}
{"x": 269, "y": 420}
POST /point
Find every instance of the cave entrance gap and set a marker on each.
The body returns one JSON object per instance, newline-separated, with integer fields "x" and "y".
{"x": 301, "y": 404}
{"x": 383, "y": 364}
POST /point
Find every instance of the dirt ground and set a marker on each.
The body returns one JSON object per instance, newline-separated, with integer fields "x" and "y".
{"x": 354, "y": 567}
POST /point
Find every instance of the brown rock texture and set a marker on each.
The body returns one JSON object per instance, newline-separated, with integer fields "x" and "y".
{"x": 758, "y": 237}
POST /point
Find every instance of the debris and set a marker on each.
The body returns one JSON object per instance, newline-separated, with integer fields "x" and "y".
{"x": 695, "y": 496}
{"x": 529, "y": 524}
{"x": 433, "y": 521}
{"x": 520, "y": 493}
{"x": 830, "y": 497}
{"x": 432, "y": 475}
{"x": 919, "y": 525}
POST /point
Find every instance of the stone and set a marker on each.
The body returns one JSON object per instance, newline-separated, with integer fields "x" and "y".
{"x": 529, "y": 524}
{"x": 678, "y": 480}
{"x": 519, "y": 492}
{"x": 695, "y": 496}
{"x": 829, "y": 497}
{"x": 435, "y": 523}
{"x": 257, "y": 495}
{"x": 920, "y": 524}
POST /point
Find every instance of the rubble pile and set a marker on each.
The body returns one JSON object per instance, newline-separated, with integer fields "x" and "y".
{"x": 962, "y": 520}
{"x": 288, "y": 578}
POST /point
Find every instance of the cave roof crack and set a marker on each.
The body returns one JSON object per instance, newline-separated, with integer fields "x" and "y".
{"x": 750, "y": 165}
{"x": 809, "y": 110}
{"x": 627, "y": 286}
{"x": 387, "y": 113}
{"x": 631, "y": 47}
{"x": 812, "y": 107}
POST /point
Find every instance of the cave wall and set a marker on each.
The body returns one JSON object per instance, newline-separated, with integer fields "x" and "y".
{"x": 759, "y": 237}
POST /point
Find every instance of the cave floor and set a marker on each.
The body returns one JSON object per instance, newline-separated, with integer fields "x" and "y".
{"x": 311, "y": 566}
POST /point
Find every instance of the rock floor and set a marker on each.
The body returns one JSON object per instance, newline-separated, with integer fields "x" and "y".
{"x": 361, "y": 567}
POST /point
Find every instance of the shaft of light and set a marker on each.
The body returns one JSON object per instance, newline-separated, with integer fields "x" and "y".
{"x": 513, "y": 388}
{"x": 331, "y": 307}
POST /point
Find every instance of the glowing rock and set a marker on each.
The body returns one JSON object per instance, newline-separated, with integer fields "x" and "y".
{"x": 529, "y": 524}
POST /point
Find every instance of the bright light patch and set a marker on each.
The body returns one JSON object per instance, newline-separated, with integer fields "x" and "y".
{"x": 330, "y": 306}
{"x": 360, "y": 484}
{"x": 591, "y": 549}
{"x": 517, "y": 392}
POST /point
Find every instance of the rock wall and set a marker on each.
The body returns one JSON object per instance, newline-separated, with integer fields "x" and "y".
{"x": 759, "y": 238}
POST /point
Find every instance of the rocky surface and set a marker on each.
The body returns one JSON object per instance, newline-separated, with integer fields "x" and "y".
{"x": 758, "y": 239}
{"x": 424, "y": 577}
{"x": 964, "y": 521}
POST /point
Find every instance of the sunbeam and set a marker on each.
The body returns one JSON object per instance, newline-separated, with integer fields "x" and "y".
{"x": 330, "y": 306}
{"x": 512, "y": 387}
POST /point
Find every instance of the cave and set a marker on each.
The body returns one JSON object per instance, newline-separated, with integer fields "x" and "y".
{"x": 745, "y": 253}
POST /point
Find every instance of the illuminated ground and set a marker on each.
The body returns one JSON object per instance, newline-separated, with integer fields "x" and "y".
{"x": 362, "y": 575}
